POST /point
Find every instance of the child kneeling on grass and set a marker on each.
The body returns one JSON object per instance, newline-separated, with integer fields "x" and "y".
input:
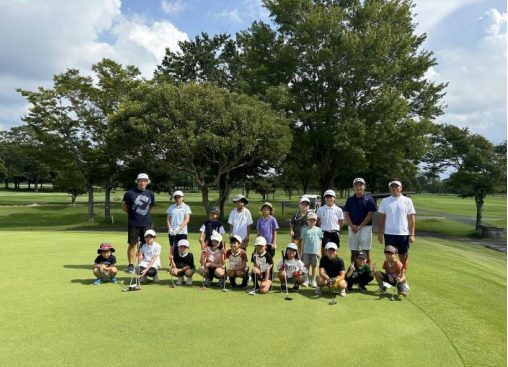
{"x": 359, "y": 272}
{"x": 291, "y": 268}
{"x": 395, "y": 273}
{"x": 105, "y": 264}
{"x": 212, "y": 261}
{"x": 149, "y": 257}
{"x": 183, "y": 263}
{"x": 262, "y": 269}
{"x": 237, "y": 262}
{"x": 331, "y": 271}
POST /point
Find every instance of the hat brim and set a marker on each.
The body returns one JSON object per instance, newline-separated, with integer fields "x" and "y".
{"x": 109, "y": 249}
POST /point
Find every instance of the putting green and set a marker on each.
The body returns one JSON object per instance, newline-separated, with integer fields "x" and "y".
{"x": 51, "y": 315}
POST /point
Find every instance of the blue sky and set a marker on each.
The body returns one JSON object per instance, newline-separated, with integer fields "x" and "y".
{"x": 43, "y": 38}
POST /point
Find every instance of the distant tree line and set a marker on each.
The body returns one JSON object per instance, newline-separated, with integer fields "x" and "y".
{"x": 332, "y": 90}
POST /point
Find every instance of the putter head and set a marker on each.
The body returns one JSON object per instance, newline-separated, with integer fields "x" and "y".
{"x": 252, "y": 293}
{"x": 332, "y": 302}
{"x": 387, "y": 285}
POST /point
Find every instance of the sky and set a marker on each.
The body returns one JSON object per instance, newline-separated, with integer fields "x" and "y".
{"x": 42, "y": 38}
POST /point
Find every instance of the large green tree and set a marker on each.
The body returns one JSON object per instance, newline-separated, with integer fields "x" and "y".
{"x": 72, "y": 120}
{"x": 478, "y": 167}
{"x": 355, "y": 74}
{"x": 204, "y": 130}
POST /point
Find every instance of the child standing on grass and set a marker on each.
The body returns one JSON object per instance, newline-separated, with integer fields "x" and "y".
{"x": 298, "y": 221}
{"x": 267, "y": 227}
{"x": 262, "y": 268}
{"x": 359, "y": 272}
{"x": 212, "y": 261}
{"x": 395, "y": 273}
{"x": 177, "y": 217}
{"x": 210, "y": 225}
{"x": 105, "y": 264}
{"x": 149, "y": 257}
{"x": 237, "y": 262}
{"x": 291, "y": 268}
{"x": 182, "y": 263}
{"x": 331, "y": 271}
{"x": 240, "y": 220}
{"x": 312, "y": 236}
{"x": 331, "y": 219}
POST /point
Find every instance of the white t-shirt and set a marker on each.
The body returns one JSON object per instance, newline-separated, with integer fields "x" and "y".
{"x": 292, "y": 266}
{"x": 148, "y": 253}
{"x": 396, "y": 210}
{"x": 213, "y": 256}
{"x": 329, "y": 217}
{"x": 240, "y": 221}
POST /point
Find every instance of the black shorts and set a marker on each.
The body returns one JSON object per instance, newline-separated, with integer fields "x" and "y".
{"x": 400, "y": 242}
{"x": 173, "y": 241}
{"x": 136, "y": 234}
{"x": 331, "y": 236}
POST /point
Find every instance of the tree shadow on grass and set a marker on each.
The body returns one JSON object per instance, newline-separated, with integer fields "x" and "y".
{"x": 87, "y": 266}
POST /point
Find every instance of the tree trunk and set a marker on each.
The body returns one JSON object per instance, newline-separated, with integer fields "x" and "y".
{"x": 478, "y": 198}
{"x": 107, "y": 201}
{"x": 6, "y": 181}
{"x": 205, "y": 198}
{"x": 73, "y": 199}
{"x": 89, "y": 189}
{"x": 224, "y": 190}
{"x": 29, "y": 185}
{"x": 36, "y": 184}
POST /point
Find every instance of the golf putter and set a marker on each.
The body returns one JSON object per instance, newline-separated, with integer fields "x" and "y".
{"x": 332, "y": 300}
{"x": 171, "y": 281}
{"x": 224, "y": 289}
{"x": 287, "y": 298}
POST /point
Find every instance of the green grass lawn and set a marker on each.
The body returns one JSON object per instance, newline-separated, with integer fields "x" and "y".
{"x": 51, "y": 315}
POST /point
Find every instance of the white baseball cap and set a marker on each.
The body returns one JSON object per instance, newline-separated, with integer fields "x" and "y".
{"x": 292, "y": 246}
{"x": 150, "y": 232}
{"x": 183, "y": 242}
{"x": 304, "y": 199}
{"x": 260, "y": 241}
{"x": 395, "y": 182}
{"x": 240, "y": 197}
{"x": 329, "y": 193}
{"x": 359, "y": 179}
{"x": 331, "y": 245}
{"x": 237, "y": 238}
{"x": 142, "y": 176}
{"x": 178, "y": 193}
{"x": 216, "y": 236}
{"x": 311, "y": 215}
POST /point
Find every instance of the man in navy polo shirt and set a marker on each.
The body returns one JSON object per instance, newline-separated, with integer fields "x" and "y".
{"x": 138, "y": 203}
{"x": 358, "y": 210}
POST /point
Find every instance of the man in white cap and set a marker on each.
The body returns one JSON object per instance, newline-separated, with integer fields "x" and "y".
{"x": 240, "y": 220}
{"x": 298, "y": 221}
{"x": 358, "y": 210}
{"x": 396, "y": 221}
{"x": 138, "y": 204}
{"x": 177, "y": 217}
{"x": 331, "y": 219}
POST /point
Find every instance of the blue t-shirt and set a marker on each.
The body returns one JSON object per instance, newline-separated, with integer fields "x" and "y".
{"x": 359, "y": 207}
{"x": 311, "y": 238}
{"x": 139, "y": 203}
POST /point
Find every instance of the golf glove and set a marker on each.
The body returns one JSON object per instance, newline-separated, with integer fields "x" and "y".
{"x": 296, "y": 274}
{"x": 331, "y": 281}
{"x": 176, "y": 230}
{"x": 170, "y": 231}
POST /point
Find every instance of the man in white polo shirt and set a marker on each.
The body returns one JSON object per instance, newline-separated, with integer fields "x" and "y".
{"x": 331, "y": 219}
{"x": 396, "y": 221}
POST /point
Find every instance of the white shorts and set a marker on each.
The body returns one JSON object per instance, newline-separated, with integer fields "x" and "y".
{"x": 361, "y": 240}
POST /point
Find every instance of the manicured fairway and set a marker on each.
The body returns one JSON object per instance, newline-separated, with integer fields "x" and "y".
{"x": 51, "y": 315}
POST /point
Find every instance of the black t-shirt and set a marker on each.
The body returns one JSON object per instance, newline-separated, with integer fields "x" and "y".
{"x": 211, "y": 225}
{"x": 180, "y": 261}
{"x": 332, "y": 267}
{"x": 105, "y": 261}
{"x": 139, "y": 203}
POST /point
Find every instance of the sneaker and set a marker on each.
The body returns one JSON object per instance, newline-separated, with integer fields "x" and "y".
{"x": 114, "y": 280}
{"x": 362, "y": 288}
{"x": 220, "y": 284}
{"x": 130, "y": 268}
{"x": 318, "y": 291}
{"x": 142, "y": 279}
{"x": 208, "y": 282}
{"x": 342, "y": 293}
{"x": 156, "y": 278}
{"x": 179, "y": 281}
{"x": 313, "y": 283}
{"x": 306, "y": 283}
{"x": 97, "y": 282}
{"x": 381, "y": 289}
{"x": 296, "y": 287}
{"x": 188, "y": 281}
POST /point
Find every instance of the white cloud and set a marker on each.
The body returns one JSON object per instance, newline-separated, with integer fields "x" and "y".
{"x": 476, "y": 95}
{"x": 43, "y": 38}
{"x": 247, "y": 11}
{"x": 173, "y": 7}
{"x": 232, "y": 15}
